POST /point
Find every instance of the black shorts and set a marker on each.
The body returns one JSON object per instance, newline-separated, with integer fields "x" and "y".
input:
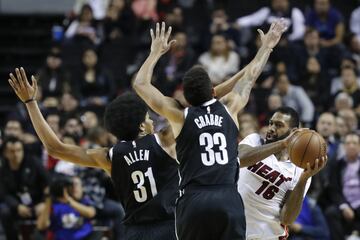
{"x": 210, "y": 213}
{"x": 152, "y": 231}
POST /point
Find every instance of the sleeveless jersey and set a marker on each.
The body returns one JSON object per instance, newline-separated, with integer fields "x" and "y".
{"x": 207, "y": 146}
{"x": 146, "y": 180}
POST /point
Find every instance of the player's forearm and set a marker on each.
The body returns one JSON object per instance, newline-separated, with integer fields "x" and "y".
{"x": 292, "y": 206}
{"x": 227, "y": 86}
{"x": 253, "y": 70}
{"x": 251, "y": 155}
{"x": 144, "y": 76}
{"x": 85, "y": 211}
{"x": 42, "y": 128}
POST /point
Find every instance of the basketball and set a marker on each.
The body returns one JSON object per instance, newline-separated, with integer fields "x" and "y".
{"x": 307, "y": 147}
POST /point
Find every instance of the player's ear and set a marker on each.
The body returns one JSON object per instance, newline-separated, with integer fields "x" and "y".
{"x": 213, "y": 93}
{"x": 142, "y": 127}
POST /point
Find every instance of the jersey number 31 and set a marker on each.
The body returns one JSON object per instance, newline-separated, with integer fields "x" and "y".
{"x": 209, "y": 141}
{"x": 138, "y": 178}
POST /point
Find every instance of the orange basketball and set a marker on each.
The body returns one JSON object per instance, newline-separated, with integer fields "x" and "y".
{"x": 307, "y": 147}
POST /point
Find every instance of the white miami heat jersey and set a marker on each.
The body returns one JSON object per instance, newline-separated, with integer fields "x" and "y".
{"x": 263, "y": 187}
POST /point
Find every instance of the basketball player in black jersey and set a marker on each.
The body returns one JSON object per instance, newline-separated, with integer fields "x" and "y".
{"x": 209, "y": 206}
{"x": 141, "y": 164}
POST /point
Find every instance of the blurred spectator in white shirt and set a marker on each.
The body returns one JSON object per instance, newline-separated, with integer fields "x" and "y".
{"x": 278, "y": 9}
{"x": 220, "y": 61}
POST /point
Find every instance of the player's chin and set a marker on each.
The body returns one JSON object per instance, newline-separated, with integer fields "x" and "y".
{"x": 270, "y": 138}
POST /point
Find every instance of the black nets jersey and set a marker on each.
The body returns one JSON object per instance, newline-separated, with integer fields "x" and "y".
{"x": 207, "y": 146}
{"x": 146, "y": 180}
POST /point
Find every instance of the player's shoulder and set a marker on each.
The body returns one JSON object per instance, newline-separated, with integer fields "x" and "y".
{"x": 253, "y": 140}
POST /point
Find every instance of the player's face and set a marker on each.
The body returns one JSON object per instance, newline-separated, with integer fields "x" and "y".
{"x": 278, "y": 127}
{"x": 148, "y": 125}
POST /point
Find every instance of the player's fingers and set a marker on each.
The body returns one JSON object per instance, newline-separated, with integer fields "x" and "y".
{"x": 162, "y": 34}
{"x": 316, "y": 164}
{"x": 34, "y": 84}
{"x": 261, "y": 33}
{"x": 12, "y": 85}
{"x": 24, "y": 77}
{"x": 157, "y": 30}
{"x": 19, "y": 77}
{"x": 14, "y": 80}
{"x": 168, "y": 33}
{"x": 152, "y": 34}
{"x": 172, "y": 42}
{"x": 308, "y": 167}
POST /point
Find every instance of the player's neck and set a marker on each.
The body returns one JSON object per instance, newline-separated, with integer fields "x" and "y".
{"x": 282, "y": 155}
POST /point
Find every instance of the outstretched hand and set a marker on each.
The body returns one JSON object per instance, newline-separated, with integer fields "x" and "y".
{"x": 160, "y": 39}
{"x": 272, "y": 37}
{"x": 21, "y": 86}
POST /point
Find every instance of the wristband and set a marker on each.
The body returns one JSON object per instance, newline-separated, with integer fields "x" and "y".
{"x": 29, "y": 100}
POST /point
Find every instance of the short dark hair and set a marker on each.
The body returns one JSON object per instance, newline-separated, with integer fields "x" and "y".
{"x": 124, "y": 115}
{"x": 10, "y": 139}
{"x": 58, "y": 184}
{"x": 294, "y": 116}
{"x": 197, "y": 86}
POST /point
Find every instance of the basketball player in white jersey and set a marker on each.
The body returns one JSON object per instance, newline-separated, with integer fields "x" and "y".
{"x": 271, "y": 186}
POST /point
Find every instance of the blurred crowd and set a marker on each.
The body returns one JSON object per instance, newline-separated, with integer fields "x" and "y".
{"x": 94, "y": 57}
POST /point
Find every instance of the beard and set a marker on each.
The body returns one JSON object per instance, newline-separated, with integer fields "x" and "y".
{"x": 278, "y": 138}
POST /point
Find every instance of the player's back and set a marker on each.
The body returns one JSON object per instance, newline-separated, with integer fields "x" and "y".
{"x": 207, "y": 146}
{"x": 210, "y": 206}
{"x": 146, "y": 180}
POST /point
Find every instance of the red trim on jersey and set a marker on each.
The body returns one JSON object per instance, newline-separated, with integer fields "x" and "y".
{"x": 286, "y": 233}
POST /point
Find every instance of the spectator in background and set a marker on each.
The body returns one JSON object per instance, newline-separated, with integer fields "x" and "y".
{"x": 337, "y": 82}
{"x": 326, "y": 127}
{"x": 328, "y": 21}
{"x": 350, "y": 85}
{"x": 310, "y": 68}
{"x": 84, "y": 28}
{"x": 278, "y": 9}
{"x": 274, "y": 102}
{"x": 220, "y": 61}
{"x": 174, "y": 64}
{"x": 220, "y": 26}
{"x": 310, "y": 224}
{"x": 355, "y": 22}
{"x": 341, "y": 129}
{"x": 296, "y": 98}
{"x": 343, "y": 101}
{"x": 350, "y": 118}
{"x": 22, "y": 184}
{"x": 73, "y": 128}
{"x": 53, "y": 78}
{"x": 95, "y": 84}
{"x": 67, "y": 212}
{"x": 119, "y": 21}
{"x": 344, "y": 213}
{"x": 353, "y": 43}
{"x": 89, "y": 120}
{"x": 68, "y": 105}
{"x": 99, "y": 7}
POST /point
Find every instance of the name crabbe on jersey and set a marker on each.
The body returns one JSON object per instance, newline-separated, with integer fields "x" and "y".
{"x": 208, "y": 120}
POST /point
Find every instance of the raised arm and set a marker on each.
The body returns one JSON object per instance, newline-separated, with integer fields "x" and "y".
{"x": 249, "y": 155}
{"x": 161, "y": 104}
{"x": 253, "y": 70}
{"x": 57, "y": 149}
{"x": 292, "y": 207}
